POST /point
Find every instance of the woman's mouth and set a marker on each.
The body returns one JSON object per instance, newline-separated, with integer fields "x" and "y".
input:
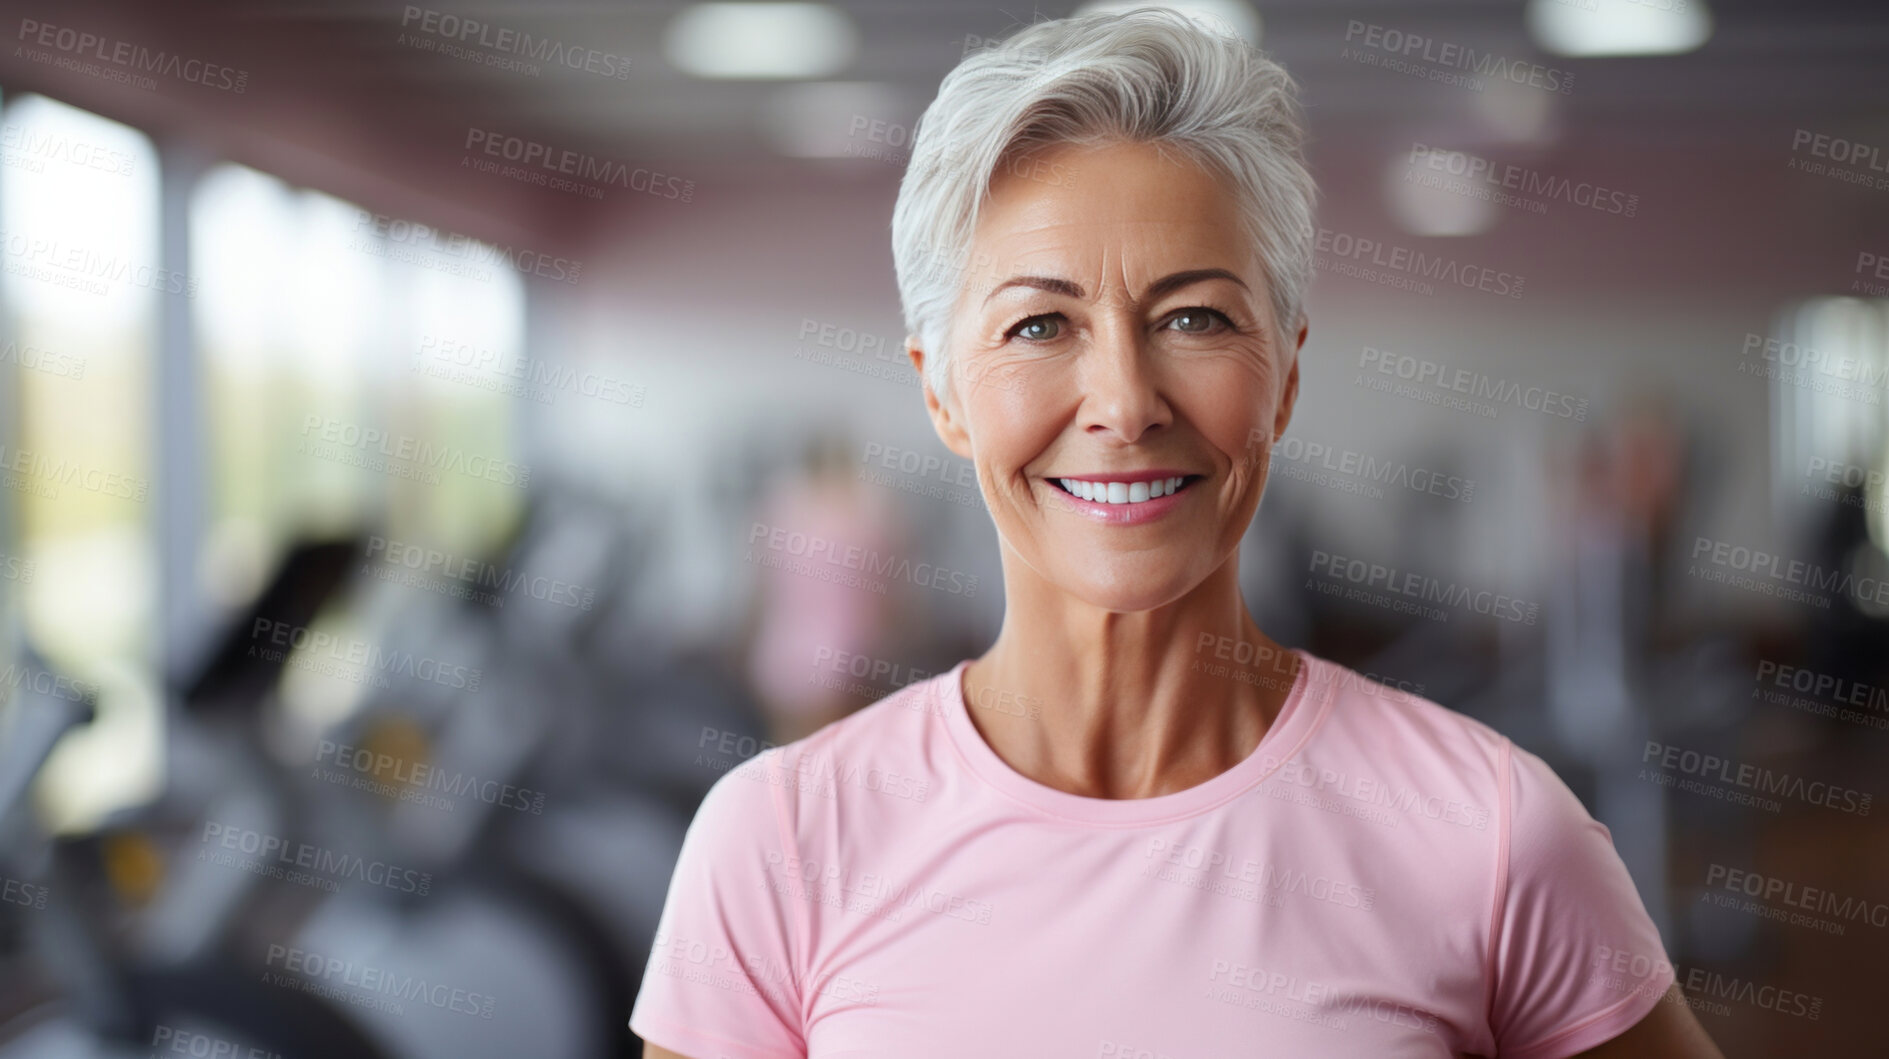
{"x": 1112, "y": 500}
{"x": 1124, "y": 493}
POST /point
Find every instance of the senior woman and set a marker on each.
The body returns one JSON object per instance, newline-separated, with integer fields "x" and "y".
{"x": 1136, "y": 826}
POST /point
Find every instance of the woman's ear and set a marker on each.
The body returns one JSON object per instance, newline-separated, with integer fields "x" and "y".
{"x": 945, "y": 417}
{"x": 1282, "y": 417}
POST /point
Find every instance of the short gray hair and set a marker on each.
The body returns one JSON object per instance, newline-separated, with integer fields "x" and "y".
{"x": 1150, "y": 75}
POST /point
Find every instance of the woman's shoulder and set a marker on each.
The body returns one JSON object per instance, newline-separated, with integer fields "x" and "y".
{"x": 1389, "y": 711}
{"x": 1394, "y": 725}
{"x": 881, "y": 748}
{"x": 885, "y": 726}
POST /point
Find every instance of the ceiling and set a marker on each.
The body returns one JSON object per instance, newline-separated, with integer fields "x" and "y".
{"x": 337, "y": 96}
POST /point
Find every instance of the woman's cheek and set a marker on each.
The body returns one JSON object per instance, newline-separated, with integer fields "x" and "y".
{"x": 1234, "y": 409}
{"x": 999, "y": 372}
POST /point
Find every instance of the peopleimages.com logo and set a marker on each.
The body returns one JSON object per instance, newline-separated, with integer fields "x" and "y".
{"x": 22, "y": 894}
{"x": 465, "y": 577}
{"x": 1627, "y": 971}
{"x": 1446, "y": 61}
{"x": 502, "y": 41}
{"x": 1849, "y": 161}
{"x": 1798, "y": 898}
{"x": 283, "y": 858}
{"x": 169, "y": 1040}
{"x": 40, "y": 682}
{"x": 576, "y": 171}
{"x": 1358, "y": 473}
{"x": 830, "y": 560}
{"x": 1508, "y": 184}
{"x": 415, "y": 781}
{"x": 1747, "y": 783}
{"x": 368, "y": 985}
{"x": 1422, "y": 588}
{"x": 402, "y": 455}
{"x": 30, "y": 149}
{"x": 352, "y": 658}
{"x": 131, "y": 59}
{"x": 1775, "y": 575}
{"x": 1389, "y": 264}
{"x": 1475, "y": 386}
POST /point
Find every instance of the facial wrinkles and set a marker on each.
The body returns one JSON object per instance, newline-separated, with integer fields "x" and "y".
{"x": 1116, "y": 311}
{"x": 1248, "y": 470}
{"x": 1253, "y": 354}
{"x": 1124, "y": 251}
{"x": 1114, "y": 329}
{"x": 998, "y": 362}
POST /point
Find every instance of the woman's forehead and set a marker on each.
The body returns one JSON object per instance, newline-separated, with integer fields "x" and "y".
{"x": 1095, "y": 263}
{"x": 1130, "y": 210}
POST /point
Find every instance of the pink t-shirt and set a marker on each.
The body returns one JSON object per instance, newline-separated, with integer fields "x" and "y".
{"x": 1380, "y": 877}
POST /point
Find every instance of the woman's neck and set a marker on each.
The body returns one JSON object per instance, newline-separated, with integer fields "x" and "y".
{"x": 1109, "y": 704}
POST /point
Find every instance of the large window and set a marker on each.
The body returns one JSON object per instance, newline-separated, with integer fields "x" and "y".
{"x": 315, "y": 323}
{"x": 1829, "y": 365}
{"x": 82, "y": 278}
{"x": 358, "y": 374}
{"x": 1830, "y": 399}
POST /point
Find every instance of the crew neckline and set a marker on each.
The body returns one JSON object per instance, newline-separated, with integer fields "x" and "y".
{"x": 1289, "y": 730}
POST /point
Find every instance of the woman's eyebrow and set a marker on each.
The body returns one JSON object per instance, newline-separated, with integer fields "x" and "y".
{"x": 1048, "y": 283}
{"x": 1176, "y": 280}
{"x": 1166, "y": 284}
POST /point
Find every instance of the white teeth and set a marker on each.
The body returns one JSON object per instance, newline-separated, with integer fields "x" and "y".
{"x": 1121, "y": 492}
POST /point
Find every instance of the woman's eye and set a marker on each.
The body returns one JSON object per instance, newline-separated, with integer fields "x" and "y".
{"x": 1038, "y": 328}
{"x": 1195, "y": 321}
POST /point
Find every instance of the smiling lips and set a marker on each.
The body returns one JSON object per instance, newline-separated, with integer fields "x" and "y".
{"x": 1136, "y": 488}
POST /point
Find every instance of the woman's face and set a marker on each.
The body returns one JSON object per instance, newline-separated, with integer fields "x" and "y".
{"x": 1118, "y": 329}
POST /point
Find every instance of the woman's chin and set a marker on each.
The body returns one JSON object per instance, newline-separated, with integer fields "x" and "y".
{"x": 1128, "y": 594}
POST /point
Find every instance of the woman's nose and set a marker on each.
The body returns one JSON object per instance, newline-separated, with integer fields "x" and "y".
{"x": 1121, "y": 391}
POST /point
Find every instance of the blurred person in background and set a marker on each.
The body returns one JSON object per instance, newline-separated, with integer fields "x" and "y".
{"x": 1616, "y": 506}
{"x": 1616, "y": 497}
{"x": 1136, "y": 817}
{"x": 798, "y": 621}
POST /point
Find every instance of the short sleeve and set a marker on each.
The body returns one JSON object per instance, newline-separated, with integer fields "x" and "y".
{"x": 1577, "y": 959}
{"x": 720, "y": 982}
